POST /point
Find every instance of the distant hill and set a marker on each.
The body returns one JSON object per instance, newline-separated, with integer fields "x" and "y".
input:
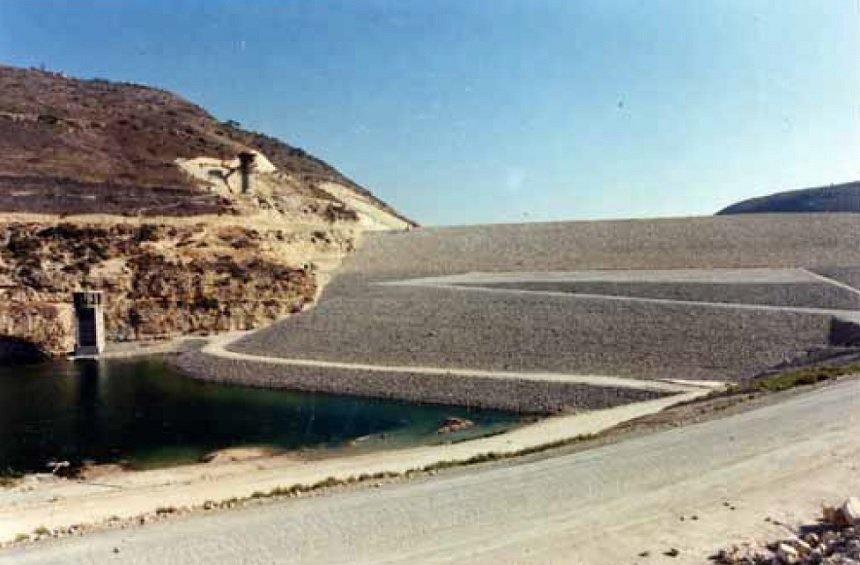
{"x": 833, "y": 198}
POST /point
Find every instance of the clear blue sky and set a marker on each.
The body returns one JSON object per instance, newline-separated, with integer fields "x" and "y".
{"x": 493, "y": 110}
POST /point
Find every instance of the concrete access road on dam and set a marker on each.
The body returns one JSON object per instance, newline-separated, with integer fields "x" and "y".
{"x": 606, "y": 505}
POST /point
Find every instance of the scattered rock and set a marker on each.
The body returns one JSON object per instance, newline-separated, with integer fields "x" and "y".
{"x": 454, "y": 424}
{"x": 233, "y": 454}
{"x": 787, "y": 554}
{"x": 834, "y": 540}
{"x": 91, "y": 471}
{"x": 744, "y": 553}
{"x": 851, "y": 510}
{"x": 802, "y": 547}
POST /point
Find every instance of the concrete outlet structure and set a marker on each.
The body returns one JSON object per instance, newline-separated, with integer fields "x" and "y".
{"x": 246, "y": 167}
{"x": 90, "y": 328}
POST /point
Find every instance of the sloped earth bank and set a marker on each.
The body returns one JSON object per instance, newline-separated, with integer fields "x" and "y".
{"x": 530, "y": 393}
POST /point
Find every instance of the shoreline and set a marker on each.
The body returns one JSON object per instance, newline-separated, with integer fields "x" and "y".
{"x": 659, "y": 499}
{"x": 526, "y": 393}
{"x": 132, "y": 349}
{"x": 519, "y": 395}
{"x": 64, "y": 503}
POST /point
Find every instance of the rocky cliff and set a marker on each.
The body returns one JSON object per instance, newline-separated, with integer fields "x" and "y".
{"x": 139, "y": 193}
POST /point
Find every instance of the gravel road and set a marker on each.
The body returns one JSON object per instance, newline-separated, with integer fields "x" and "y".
{"x": 693, "y": 489}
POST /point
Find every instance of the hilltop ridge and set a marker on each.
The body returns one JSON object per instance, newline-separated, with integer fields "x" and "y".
{"x": 833, "y": 198}
{"x": 76, "y": 146}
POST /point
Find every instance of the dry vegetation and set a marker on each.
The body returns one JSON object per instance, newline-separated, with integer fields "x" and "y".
{"x": 73, "y": 146}
{"x": 161, "y": 280}
{"x": 94, "y": 174}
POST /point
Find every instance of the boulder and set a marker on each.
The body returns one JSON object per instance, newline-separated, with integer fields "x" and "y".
{"x": 787, "y": 554}
{"x": 454, "y": 424}
{"x": 850, "y": 510}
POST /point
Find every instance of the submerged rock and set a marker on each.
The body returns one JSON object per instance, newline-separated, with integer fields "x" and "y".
{"x": 454, "y": 424}
{"x": 232, "y": 454}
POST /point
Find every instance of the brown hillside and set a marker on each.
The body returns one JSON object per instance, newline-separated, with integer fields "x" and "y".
{"x": 76, "y": 146}
{"x": 178, "y": 243}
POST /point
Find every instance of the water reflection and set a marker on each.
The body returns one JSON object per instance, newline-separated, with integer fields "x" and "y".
{"x": 142, "y": 413}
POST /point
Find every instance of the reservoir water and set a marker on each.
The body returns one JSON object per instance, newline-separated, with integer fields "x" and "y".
{"x": 140, "y": 412}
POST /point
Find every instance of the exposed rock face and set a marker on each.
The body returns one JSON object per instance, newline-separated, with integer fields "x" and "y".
{"x": 134, "y": 191}
{"x": 159, "y": 280}
{"x": 31, "y": 330}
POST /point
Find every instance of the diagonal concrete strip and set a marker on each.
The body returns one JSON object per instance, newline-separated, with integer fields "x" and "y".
{"x": 217, "y": 347}
{"x": 717, "y": 275}
{"x": 834, "y": 282}
{"x": 632, "y": 299}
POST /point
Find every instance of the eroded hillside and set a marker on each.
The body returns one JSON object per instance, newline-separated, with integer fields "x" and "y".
{"x": 139, "y": 193}
{"x": 78, "y": 146}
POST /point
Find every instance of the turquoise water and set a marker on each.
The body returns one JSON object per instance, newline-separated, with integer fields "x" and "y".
{"x": 142, "y": 413}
